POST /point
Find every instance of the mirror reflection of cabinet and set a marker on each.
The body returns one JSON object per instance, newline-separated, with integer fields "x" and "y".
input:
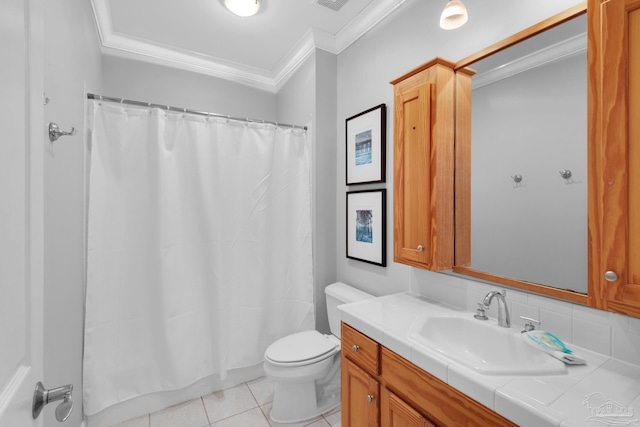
{"x": 614, "y": 141}
{"x": 613, "y": 114}
{"x": 528, "y": 231}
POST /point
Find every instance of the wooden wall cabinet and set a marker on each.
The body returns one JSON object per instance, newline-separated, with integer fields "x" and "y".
{"x": 614, "y": 154}
{"x": 393, "y": 392}
{"x": 423, "y": 151}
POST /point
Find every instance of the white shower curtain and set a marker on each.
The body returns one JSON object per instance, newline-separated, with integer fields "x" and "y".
{"x": 198, "y": 248}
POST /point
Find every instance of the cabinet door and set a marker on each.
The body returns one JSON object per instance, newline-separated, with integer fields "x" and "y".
{"x": 394, "y": 412}
{"x": 617, "y": 154}
{"x": 412, "y": 213}
{"x": 424, "y": 166}
{"x": 360, "y": 397}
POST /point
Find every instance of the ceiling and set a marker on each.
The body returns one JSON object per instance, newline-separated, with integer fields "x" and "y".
{"x": 261, "y": 51}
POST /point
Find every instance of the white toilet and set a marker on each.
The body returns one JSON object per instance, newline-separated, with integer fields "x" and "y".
{"x": 305, "y": 366}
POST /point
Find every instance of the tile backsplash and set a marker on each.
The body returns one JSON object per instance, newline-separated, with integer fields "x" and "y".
{"x": 610, "y": 334}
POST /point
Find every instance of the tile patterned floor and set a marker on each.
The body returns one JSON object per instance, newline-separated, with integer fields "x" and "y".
{"x": 246, "y": 405}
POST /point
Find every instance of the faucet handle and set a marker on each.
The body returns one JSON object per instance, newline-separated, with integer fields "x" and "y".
{"x": 480, "y": 314}
{"x": 529, "y": 326}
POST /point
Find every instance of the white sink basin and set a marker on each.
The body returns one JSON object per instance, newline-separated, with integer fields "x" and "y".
{"x": 483, "y": 346}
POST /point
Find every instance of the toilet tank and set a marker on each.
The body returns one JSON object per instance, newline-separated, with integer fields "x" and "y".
{"x": 337, "y": 294}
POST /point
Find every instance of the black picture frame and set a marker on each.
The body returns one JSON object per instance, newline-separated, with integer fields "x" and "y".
{"x": 366, "y": 222}
{"x": 365, "y": 147}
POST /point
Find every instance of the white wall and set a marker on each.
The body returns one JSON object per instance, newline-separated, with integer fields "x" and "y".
{"x": 72, "y": 59}
{"x": 147, "y": 82}
{"x": 309, "y": 97}
{"x": 408, "y": 38}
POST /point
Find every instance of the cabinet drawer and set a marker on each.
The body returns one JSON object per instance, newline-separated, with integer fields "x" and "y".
{"x": 361, "y": 349}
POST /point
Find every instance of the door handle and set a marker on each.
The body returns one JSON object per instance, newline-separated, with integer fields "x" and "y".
{"x": 42, "y": 396}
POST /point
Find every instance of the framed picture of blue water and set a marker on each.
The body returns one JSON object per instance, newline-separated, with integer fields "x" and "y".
{"x": 366, "y": 134}
{"x": 367, "y": 226}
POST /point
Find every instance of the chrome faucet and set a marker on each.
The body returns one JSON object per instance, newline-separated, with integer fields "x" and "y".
{"x": 504, "y": 319}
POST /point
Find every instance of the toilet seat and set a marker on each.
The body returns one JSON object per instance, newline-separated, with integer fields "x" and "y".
{"x": 302, "y": 348}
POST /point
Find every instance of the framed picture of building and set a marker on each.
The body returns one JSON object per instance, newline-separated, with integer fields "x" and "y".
{"x": 365, "y": 146}
{"x": 366, "y": 226}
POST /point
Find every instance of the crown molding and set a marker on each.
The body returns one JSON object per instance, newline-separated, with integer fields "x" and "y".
{"x": 556, "y": 52}
{"x": 117, "y": 44}
{"x": 296, "y": 56}
{"x": 364, "y": 22}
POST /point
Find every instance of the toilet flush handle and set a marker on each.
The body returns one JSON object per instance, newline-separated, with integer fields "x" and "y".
{"x": 355, "y": 348}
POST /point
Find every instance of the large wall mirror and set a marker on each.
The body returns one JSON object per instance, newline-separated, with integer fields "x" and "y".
{"x": 523, "y": 201}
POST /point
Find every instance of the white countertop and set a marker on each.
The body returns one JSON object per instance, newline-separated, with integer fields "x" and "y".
{"x": 567, "y": 400}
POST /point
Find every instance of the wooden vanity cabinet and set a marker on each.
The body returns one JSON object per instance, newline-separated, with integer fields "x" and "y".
{"x": 424, "y": 127}
{"x": 360, "y": 390}
{"x": 395, "y": 412}
{"x": 393, "y": 392}
{"x": 614, "y": 154}
{"x": 360, "y": 396}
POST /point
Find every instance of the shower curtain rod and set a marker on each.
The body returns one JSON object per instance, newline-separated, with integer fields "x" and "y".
{"x": 186, "y": 110}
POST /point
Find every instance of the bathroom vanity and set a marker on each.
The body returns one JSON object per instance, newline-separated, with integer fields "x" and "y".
{"x": 382, "y": 388}
{"x": 389, "y": 378}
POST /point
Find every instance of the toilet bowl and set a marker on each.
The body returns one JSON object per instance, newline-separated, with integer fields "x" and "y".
{"x": 305, "y": 366}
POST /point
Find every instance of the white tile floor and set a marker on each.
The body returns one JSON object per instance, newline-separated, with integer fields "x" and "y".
{"x": 245, "y": 405}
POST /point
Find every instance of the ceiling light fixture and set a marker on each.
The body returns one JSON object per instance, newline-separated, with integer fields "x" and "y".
{"x": 453, "y": 16}
{"x": 243, "y": 7}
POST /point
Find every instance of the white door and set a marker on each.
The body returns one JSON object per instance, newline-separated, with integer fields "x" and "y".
{"x": 21, "y": 208}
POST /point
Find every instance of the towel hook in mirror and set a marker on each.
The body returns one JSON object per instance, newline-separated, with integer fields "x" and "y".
{"x": 55, "y": 132}
{"x": 565, "y": 173}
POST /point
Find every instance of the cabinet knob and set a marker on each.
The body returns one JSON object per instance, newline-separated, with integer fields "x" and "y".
{"x": 355, "y": 348}
{"x": 369, "y": 398}
{"x": 610, "y": 276}
{"x": 420, "y": 248}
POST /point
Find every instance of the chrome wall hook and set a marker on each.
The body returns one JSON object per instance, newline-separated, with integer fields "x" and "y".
{"x": 565, "y": 173}
{"x": 517, "y": 180}
{"x": 55, "y": 132}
